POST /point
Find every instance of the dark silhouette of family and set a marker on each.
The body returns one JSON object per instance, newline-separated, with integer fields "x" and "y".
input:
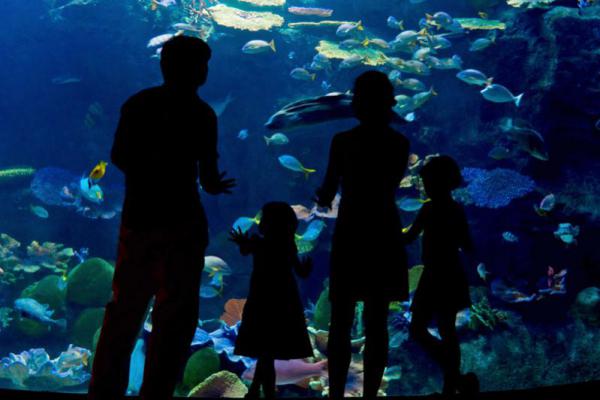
{"x": 166, "y": 146}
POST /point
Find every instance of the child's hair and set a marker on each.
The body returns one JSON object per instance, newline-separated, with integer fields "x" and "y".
{"x": 441, "y": 174}
{"x": 278, "y": 218}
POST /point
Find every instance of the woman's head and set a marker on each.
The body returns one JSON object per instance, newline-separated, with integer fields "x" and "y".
{"x": 278, "y": 219}
{"x": 373, "y": 97}
{"x": 441, "y": 175}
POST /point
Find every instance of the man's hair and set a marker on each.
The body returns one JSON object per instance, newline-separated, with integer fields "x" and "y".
{"x": 181, "y": 55}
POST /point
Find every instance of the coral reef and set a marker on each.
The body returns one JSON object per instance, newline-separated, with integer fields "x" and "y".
{"x": 414, "y": 275}
{"x": 480, "y": 24}
{"x": 494, "y": 188}
{"x": 244, "y": 20}
{"x": 587, "y": 306}
{"x": 90, "y": 283}
{"x": 34, "y": 370}
{"x": 234, "y": 309}
{"x": 223, "y": 384}
{"x": 201, "y": 365}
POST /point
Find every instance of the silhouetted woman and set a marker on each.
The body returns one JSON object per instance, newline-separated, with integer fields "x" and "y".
{"x": 443, "y": 289}
{"x": 368, "y": 260}
{"x": 273, "y": 324}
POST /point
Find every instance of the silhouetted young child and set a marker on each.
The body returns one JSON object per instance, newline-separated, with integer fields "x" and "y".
{"x": 443, "y": 289}
{"x": 273, "y": 324}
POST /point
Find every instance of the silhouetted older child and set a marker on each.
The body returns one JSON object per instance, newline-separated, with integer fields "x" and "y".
{"x": 443, "y": 289}
{"x": 273, "y": 324}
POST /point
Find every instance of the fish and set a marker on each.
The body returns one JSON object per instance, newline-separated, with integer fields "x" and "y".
{"x": 313, "y": 231}
{"x": 303, "y": 213}
{"x": 499, "y": 153}
{"x": 74, "y": 357}
{"x": 350, "y": 62}
{"x": 39, "y": 211}
{"x": 483, "y": 272}
{"x": 160, "y": 40}
{"x": 302, "y": 74}
{"x": 510, "y": 237}
{"x": 98, "y": 171}
{"x": 349, "y": 28}
{"x": 454, "y": 62}
{"x": 316, "y": 110}
{"x": 277, "y": 139}
{"x": 65, "y": 80}
{"x": 136, "y": 368}
{"x": 216, "y": 265}
{"x": 525, "y": 137}
{"x": 320, "y": 62}
{"x": 567, "y": 233}
{"x": 483, "y": 15}
{"x": 243, "y": 135}
{"x": 259, "y": 46}
{"x": 291, "y": 372}
{"x": 163, "y": 3}
{"x": 311, "y": 11}
{"x": 423, "y": 53}
{"x": 394, "y": 23}
{"x": 292, "y": 163}
{"x": 412, "y": 84}
{"x": 510, "y": 295}
{"x": 474, "y": 77}
{"x": 412, "y": 67}
{"x": 421, "y": 98}
{"x": 182, "y": 26}
{"x": 404, "y": 104}
{"x": 219, "y": 106}
{"x": 410, "y": 204}
{"x": 91, "y": 191}
{"x": 40, "y": 312}
{"x": 350, "y": 44}
{"x": 500, "y": 94}
{"x": 380, "y": 43}
{"x": 245, "y": 223}
{"x": 209, "y": 292}
{"x": 440, "y": 19}
{"x": 325, "y": 86}
{"x": 546, "y": 205}
{"x": 292, "y": 55}
{"x": 436, "y": 42}
{"x": 481, "y": 44}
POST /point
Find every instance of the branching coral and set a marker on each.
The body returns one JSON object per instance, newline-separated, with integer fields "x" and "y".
{"x": 494, "y": 188}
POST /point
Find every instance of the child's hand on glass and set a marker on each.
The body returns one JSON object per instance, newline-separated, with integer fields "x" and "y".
{"x": 239, "y": 237}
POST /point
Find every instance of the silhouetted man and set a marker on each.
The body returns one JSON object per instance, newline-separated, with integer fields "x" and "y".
{"x": 368, "y": 259}
{"x": 166, "y": 140}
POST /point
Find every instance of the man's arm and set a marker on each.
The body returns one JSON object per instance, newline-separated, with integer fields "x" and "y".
{"x": 327, "y": 191}
{"x": 208, "y": 170}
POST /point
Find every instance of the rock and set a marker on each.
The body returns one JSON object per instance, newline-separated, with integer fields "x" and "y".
{"x": 322, "y": 314}
{"x": 587, "y": 306}
{"x": 201, "y": 365}
{"x": 50, "y": 290}
{"x": 223, "y": 384}
{"x": 85, "y": 327}
{"x": 90, "y": 283}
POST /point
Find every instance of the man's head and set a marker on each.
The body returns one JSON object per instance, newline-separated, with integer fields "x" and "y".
{"x": 373, "y": 97}
{"x": 184, "y": 62}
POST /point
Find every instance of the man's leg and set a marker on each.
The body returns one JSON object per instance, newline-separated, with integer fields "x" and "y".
{"x": 376, "y": 345}
{"x": 132, "y": 291}
{"x": 339, "y": 346}
{"x": 175, "y": 315}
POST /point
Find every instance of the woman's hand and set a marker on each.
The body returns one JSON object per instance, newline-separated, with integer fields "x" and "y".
{"x": 239, "y": 237}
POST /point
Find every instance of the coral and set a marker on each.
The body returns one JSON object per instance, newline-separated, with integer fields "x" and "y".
{"x": 201, "y": 365}
{"x": 414, "y": 275}
{"x": 482, "y": 315}
{"x": 495, "y": 188}
{"x": 244, "y": 20}
{"x": 322, "y": 313}
{"x": 370, "y": 56}
{"x": 265, "y": 3}
{"x": 8, "y": 246}
{"x": 49, "y": 290}
{"x": 5, "y": 317}
{"x": 52, "y": 256}
{"x": 86, "y": 326}
{"x": 480, "y": 24}
{"x": 317, "y": 24}
{"x": 581, "y": 194}
{"x": 89, "y": 284}
{"x": 587, "y": 306}
{"x": 530, "y": 3}
{"x": 33, "y": 369}
{"x": 234, "y": 309}
{"x": 15, "y": 174}
{"x": 223, "y": 384}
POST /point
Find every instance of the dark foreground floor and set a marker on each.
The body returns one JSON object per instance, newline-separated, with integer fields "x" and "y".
{"x": 589, "y": 390}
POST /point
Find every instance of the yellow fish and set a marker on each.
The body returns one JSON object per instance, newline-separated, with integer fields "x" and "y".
{"x": 98, "y": 171}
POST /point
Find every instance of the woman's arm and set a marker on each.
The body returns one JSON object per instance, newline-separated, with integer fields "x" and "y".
{"x": 328, "y": 189}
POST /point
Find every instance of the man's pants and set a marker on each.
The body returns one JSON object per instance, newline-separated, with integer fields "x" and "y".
{"x": 165, "y": 263}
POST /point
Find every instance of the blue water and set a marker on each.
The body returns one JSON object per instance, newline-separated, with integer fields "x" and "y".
{"x": 66, "y": 72}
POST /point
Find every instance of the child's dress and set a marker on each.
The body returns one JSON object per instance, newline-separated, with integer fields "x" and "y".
{"x": 273, "y": 323}
{"x": 443, "y": 285}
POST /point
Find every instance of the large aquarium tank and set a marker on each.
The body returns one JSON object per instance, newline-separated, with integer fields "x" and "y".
{"x": 510, "y": 89}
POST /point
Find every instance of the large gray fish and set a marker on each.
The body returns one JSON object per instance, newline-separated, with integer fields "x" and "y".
{"x": 34, "y": 310}
{"x": 315, "y": 110}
